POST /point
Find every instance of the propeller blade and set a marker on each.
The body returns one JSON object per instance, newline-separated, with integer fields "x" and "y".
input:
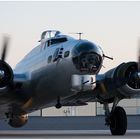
{"x": 5, "y": 47}
{"x": 139, "y": 55}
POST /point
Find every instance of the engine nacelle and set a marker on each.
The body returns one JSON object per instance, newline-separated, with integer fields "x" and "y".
{"x": 17, "y": 121}
{"x": 6, "y": 74}
{"x": 120, "y": 81}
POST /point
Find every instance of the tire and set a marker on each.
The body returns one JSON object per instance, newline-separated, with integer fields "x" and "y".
{"x": 118, "y": 125}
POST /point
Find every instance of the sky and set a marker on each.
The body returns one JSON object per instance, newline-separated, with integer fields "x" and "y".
{"x": 115, "y": 26}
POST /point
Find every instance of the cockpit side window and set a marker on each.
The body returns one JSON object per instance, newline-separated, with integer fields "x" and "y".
{"x": 48, "y": 43}
{"x": 56, "y": 41}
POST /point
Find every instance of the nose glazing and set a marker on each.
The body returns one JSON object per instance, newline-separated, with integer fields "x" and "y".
{"x": 87, "y": 57}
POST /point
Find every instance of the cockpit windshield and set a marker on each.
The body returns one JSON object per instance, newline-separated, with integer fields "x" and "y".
{"x": 50, "y": 34}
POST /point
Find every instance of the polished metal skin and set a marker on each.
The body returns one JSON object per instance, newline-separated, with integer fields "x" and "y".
{"x": 44, "y": 81}
{"x": 64, "y": 71}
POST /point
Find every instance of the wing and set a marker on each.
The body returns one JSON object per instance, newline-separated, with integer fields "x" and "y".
{"x": 8, "y": 93}
{"x": 122, "y": 82}
{"x": 22, "y": 77}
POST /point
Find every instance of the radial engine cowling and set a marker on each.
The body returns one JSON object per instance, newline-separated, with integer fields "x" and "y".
{"x": 121, "y": 81}
{"x": 18, "y": 120}
{"x": 6, "y": 74}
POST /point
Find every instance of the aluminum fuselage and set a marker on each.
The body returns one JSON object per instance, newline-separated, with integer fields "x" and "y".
{"x": 47, "y": 81}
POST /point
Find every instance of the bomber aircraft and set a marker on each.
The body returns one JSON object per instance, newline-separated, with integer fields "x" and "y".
{"x": 64, "y": 71}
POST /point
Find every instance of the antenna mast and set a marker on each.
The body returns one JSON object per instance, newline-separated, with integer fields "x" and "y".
{"x": 80, "y": 35}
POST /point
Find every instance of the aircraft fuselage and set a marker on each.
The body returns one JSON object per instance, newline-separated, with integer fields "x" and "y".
{"x": 49, "y": 79}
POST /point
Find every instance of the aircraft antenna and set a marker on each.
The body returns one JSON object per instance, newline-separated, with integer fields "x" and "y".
{"x": 79, "y": 35}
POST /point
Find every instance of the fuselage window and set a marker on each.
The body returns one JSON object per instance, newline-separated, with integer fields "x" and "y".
{"x": 56, "y": 41}
{"x": 49, "y": 59}
{"x": 48, "y": 43}
{"x": 66, "y": 54}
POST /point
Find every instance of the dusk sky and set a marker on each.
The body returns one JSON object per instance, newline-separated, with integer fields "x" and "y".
{"x": 115, "y": 26}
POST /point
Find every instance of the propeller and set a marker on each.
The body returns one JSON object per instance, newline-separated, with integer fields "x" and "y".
{"x": 139, "y": 56}
{"x": 4, "y": 47}
{"x": 134, "y": 78}
{"x": 6, "y": 72}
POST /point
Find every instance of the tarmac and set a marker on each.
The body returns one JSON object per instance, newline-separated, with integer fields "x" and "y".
{"x": 66, "y": 134}
{"x": 69, "y": 127}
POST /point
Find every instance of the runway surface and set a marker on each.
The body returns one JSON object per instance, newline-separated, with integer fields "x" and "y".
{"x": 70, "y": 123}
{"x": 60, "y": 134}
{"x": 68, "y": 127}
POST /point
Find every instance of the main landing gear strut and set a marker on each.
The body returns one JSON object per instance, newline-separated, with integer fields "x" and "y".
{"x": 116, "y": 118}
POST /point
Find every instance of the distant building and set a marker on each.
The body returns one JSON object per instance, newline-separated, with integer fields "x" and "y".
{"x": 131, "y": 106}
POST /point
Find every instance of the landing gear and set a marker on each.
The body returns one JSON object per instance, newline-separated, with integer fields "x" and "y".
{"x": 116, "y": 119}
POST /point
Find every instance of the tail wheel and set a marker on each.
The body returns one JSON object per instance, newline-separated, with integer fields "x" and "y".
{"x": 118, "y": 121}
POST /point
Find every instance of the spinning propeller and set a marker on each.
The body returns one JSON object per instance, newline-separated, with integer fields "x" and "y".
{"x": 6, "y": 73}
{"x": 4, "y": 48}
{"x": 134, "y": 74}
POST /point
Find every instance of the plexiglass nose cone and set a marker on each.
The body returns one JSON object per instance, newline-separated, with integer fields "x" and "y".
{"x": 87, "y": 57}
